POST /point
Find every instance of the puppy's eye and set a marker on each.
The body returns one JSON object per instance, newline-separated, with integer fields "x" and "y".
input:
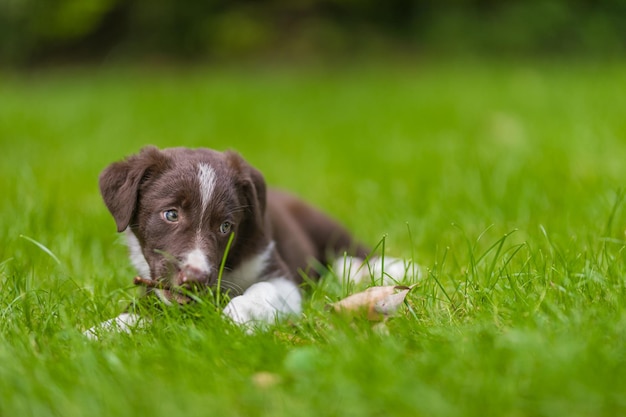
{"x": 170, "y": 215}
{"x": 225, "y": 227}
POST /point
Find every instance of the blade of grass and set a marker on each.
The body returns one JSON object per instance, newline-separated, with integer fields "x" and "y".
{"x": 42, "y": 247}
{"x": 221, "y": 271}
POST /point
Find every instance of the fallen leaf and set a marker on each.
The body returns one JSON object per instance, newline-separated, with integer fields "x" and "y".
{"x": 389, "y": 305}
{"x": 376, "y": 303}
{"x": 265, "y": 379}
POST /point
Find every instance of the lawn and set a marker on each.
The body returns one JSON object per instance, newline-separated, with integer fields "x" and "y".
{"x": 504, "y": 182}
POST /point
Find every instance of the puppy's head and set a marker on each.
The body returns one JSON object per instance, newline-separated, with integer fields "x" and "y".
{"x": 180, "y": 206}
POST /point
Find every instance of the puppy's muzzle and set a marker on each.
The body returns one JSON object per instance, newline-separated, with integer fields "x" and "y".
{"x": 190, "y": 276}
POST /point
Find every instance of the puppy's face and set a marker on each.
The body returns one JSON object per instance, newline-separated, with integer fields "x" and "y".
{"x": 181, "y": 206}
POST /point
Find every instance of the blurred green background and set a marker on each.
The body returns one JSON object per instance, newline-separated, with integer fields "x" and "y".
{"x": 51, "y": 31}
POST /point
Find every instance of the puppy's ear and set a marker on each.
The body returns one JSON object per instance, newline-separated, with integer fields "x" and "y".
{"x": 120, "y": 182}
{"x": 252, "y": 185}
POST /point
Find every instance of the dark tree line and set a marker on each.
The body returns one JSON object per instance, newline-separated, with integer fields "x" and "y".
{"x": 33, "y": 31}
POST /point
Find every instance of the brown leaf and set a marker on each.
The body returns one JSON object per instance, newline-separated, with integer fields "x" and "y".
{"x": 265, "y": 379}
{"x": 389, "y": 305}
{"x": 376, "y": 303}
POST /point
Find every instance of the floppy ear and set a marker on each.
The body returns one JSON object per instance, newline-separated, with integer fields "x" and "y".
{"x": 253, "y": 187}
{"x": 120, "y": 182}
{"x": 256, "y": 193}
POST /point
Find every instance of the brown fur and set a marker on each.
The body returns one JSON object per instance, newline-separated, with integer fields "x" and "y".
{"x": 138, "y": 189}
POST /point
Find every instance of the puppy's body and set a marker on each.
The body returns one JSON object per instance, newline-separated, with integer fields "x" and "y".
{"x": 179, "y": 208}
{"x": 304, "y": 234}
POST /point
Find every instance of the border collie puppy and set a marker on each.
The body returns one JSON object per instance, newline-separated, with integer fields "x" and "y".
{"x": 184, "y": 210}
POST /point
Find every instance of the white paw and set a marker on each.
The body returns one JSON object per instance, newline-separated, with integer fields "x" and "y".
{"x": 125, "y": 322}
{"x": 389, "y": 272}
{"x": 265, "y": 301}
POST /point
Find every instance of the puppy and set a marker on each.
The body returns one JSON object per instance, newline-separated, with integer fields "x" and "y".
{"x": 179, "y": 208}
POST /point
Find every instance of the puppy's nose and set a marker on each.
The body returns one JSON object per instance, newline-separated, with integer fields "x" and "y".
{"x": 193, "y": 275}
{"x": 195, "y": 269}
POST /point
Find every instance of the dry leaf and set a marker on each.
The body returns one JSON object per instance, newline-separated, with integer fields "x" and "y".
{"x": 265, "y": 379}
{"x": 376, "y": 303}
{"x": 389, "y": 305}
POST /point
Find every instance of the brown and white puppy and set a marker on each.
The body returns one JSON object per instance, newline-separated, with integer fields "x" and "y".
{"x": 179, "y": 207}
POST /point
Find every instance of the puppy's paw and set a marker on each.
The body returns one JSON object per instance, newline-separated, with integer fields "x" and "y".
{"x": 243, "y": 310}
{"x": 387, "y": 271}
{"x": 125, "y": 322}
{"x": 264, "y": 302}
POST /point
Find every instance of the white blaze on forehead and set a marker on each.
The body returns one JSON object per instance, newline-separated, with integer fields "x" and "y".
{"x": 206, "y": 178}
{"x": 196, "y": 259}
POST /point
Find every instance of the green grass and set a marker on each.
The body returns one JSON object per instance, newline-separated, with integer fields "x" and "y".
{"x": 503, "y": 181}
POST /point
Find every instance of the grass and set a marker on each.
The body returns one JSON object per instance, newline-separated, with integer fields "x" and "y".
{"x": 504, "y": 182}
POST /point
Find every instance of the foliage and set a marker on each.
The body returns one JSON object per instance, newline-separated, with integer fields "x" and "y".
{"x": 33, "y": 31}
